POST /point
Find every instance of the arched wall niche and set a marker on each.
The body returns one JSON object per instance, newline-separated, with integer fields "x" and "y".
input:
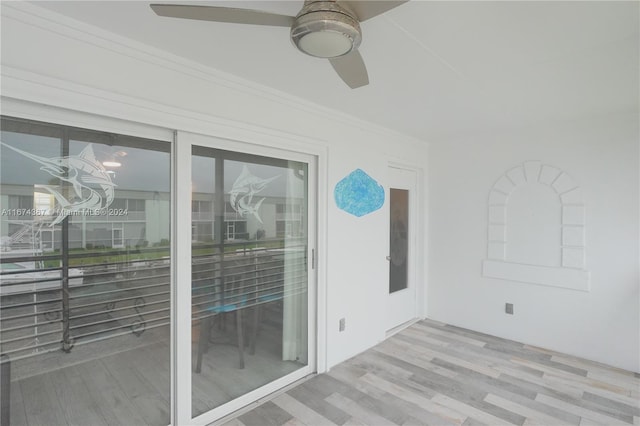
{"x": 539, "y": 237}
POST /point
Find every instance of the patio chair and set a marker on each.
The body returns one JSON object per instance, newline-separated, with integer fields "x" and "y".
{"x": 228, "y": 298}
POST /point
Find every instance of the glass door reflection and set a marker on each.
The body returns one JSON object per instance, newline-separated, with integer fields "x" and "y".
{"x": 84, "y": 276}
{"x": 249, "y": 273}
{"x": 398, "y": 239}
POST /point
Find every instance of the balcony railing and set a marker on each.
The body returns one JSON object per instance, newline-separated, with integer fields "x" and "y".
{"x": 52, "y": 302}
{"x": 202, "y": 216}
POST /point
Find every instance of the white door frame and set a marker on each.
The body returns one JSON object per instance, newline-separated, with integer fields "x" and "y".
{"x": 415, "y": 253}
{"x": 65, "y": 105}
{"x": 182, "y": 258}
{"x": 114, "y": 228}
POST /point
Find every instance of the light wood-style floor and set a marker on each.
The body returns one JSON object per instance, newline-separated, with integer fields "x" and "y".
{"x": 437, "y": 374}
{"x": 126, "y": 380}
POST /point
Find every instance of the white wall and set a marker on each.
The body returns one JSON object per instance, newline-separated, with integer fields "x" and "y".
{"x": 51, "y": 60}
{"x": 54, "y": 61}
{"x": 4, "y": 219}
{"x": 156, "y": 214}
{"x": 601, "y": 155}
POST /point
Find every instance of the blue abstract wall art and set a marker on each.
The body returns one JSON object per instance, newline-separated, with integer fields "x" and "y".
{"x": 359, "y": 194}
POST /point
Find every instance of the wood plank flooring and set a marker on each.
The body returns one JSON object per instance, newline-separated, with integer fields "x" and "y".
{"x": 437, "y": 374}
{"x": 129, "y": 382}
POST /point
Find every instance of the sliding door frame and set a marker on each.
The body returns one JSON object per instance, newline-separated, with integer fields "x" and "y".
{"x": 183, "y": 346}
{"x": 66, "y": 106}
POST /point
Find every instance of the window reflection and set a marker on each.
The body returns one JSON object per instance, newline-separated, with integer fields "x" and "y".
{"x": 84, "y": 286}
{"x": 249, "y": 276}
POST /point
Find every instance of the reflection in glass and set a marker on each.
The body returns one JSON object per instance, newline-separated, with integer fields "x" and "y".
{"x": 249, "y": 276}
{"x": 84, "y": 285}
{"x": 398, "y": 239}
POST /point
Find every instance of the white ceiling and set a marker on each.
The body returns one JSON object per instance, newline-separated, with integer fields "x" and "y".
{"x": 436, "y": 69}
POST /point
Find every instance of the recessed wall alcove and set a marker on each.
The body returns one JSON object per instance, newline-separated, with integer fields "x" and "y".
{"x": 536, "y": 228}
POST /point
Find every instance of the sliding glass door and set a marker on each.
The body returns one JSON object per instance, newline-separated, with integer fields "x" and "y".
{"x": 85, "y": 276}
{"x": 150, "y": 282}
{"x": 251, "y": 279}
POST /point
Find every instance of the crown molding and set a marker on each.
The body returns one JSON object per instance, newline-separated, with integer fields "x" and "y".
{"x": 32, "y": 15}
{"x": 21, "y": 87}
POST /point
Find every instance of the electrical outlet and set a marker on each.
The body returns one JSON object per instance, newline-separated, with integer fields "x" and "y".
{"x": 342, "y": 324}
{"x": 508, "y": 308}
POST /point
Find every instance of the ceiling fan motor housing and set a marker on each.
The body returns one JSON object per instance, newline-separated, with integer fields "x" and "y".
{"x": 326, "y": 29}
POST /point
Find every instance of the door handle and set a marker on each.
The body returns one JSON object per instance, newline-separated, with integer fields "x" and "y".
{"x": 389, "y": 258}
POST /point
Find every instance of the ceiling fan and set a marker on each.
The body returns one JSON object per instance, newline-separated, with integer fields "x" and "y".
{"x": 323, "y": 28}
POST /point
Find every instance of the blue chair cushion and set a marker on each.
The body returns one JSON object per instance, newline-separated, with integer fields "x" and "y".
{"x": 228, "y": 307}
{"x": 223, "y": 308}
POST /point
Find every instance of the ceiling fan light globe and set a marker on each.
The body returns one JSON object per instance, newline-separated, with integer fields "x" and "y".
{"x": 325, "y": 44}
{"x": 324, "y": 29}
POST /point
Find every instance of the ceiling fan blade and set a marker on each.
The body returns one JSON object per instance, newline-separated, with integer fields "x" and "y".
{"x": 351, "y": 69}
{"x": 367, "y": 9}
{"x": 222, "y": 14}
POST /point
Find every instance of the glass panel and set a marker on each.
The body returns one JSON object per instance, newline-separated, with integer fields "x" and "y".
{"x": 398, "y": 239}
{"x": 84, "y": 285}
{"x": 249, "y": 281}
